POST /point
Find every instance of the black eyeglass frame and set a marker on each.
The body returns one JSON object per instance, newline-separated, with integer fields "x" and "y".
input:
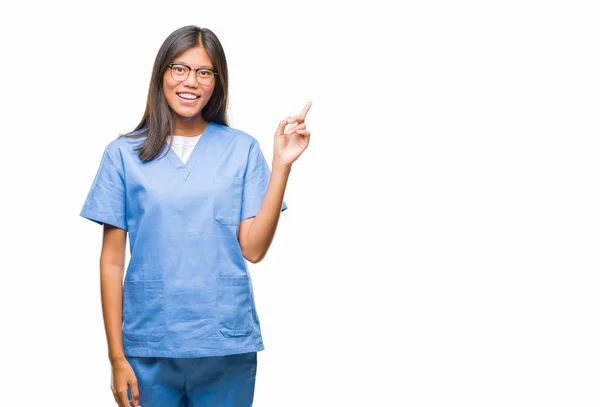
{"x": 192, "y": 69}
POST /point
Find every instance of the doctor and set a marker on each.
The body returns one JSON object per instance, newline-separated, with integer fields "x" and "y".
{"x": 198, "y": 200}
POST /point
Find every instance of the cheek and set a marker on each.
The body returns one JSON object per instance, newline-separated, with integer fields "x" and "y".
{"x": 169, "y": 92}
{"x": 208, "y": 93}
{"x": 168, "y": 85}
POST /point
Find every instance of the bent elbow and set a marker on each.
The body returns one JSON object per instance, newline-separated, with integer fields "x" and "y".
{"x": 254, "y": 257}
{"x": 255, "y": 260}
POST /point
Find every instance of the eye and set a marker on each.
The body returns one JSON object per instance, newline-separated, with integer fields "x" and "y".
{"x": 205, "y": 72}
{"x": 178, "y": 68}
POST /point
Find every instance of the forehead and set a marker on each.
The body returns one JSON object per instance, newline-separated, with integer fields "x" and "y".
{"x": 195, "y": 57}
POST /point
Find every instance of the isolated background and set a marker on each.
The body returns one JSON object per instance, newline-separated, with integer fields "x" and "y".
{"x": 441, "y": 242}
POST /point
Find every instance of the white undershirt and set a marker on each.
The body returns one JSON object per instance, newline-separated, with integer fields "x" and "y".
{"x": 183, "y": 146}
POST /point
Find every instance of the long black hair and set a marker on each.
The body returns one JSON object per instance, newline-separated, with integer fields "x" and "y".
{"x": 157, "y": 122}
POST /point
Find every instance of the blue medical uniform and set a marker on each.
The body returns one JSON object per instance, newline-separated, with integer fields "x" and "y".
{"x": 187, "y": 292}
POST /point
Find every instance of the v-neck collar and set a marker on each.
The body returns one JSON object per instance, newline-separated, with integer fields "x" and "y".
{"x": 185, "y": 169}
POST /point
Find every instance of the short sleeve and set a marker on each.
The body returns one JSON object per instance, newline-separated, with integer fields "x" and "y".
{"x": 256, "y": 182}
{"x": 105, "y": 202}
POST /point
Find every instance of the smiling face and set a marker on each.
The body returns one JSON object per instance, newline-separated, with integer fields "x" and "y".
{"x": 187, "y": 98}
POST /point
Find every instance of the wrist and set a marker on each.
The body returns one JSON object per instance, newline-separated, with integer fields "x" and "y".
{"x": 281, "y": 168}
{"x": 116, "y": 358}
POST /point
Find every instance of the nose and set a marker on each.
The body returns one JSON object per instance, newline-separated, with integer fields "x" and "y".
{"x": 191, "y": 80}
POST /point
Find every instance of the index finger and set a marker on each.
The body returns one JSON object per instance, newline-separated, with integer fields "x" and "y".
{"x": 306, "y": 109}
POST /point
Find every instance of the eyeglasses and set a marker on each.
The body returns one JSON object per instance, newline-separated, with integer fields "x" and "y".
{"x": 204, "y": 76}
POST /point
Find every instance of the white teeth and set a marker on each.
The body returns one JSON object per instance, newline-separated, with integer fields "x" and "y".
{"x": 188, "y": 96}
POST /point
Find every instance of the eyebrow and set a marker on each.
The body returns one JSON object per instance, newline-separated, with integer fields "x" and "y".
{"x": 200, "y": 67}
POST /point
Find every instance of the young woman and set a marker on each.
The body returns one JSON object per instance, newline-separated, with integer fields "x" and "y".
{"x": 198, "y": 199}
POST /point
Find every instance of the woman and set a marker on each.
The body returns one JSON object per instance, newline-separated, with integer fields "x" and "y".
{"x": 182, "y": 328}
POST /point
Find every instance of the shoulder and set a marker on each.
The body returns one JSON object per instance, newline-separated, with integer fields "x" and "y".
{"x": 126, "y": 144}
{"x": 123, "y": 148}
{"x": 238, "y": 138}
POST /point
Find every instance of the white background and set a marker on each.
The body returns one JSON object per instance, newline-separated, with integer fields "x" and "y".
{"x": 441, "y": 242}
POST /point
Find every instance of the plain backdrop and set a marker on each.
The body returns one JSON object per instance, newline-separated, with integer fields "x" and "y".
{"x": 441, "y": 242}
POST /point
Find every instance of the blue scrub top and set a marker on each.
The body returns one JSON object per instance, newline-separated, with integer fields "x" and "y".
{"x": 187, "y": 291}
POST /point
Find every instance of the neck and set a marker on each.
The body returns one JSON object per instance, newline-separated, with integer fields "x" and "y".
{"x": 190, "y": 126}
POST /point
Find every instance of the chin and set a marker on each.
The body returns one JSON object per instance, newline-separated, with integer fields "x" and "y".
{"x": 187, "y": 113}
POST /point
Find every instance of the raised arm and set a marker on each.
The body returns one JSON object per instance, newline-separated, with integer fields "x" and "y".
{"x": 256, "y": 233}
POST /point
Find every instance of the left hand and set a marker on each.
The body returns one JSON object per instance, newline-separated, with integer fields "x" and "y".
{"x": 289, "y": 145}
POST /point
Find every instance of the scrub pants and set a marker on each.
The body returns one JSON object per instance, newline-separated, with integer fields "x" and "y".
{"x": 216, "y": 381}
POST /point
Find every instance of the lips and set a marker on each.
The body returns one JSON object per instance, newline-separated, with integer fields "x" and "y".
{"x": 188, "y": 96}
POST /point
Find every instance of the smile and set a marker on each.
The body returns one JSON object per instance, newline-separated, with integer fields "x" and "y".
{"x": 188, "y": 96}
